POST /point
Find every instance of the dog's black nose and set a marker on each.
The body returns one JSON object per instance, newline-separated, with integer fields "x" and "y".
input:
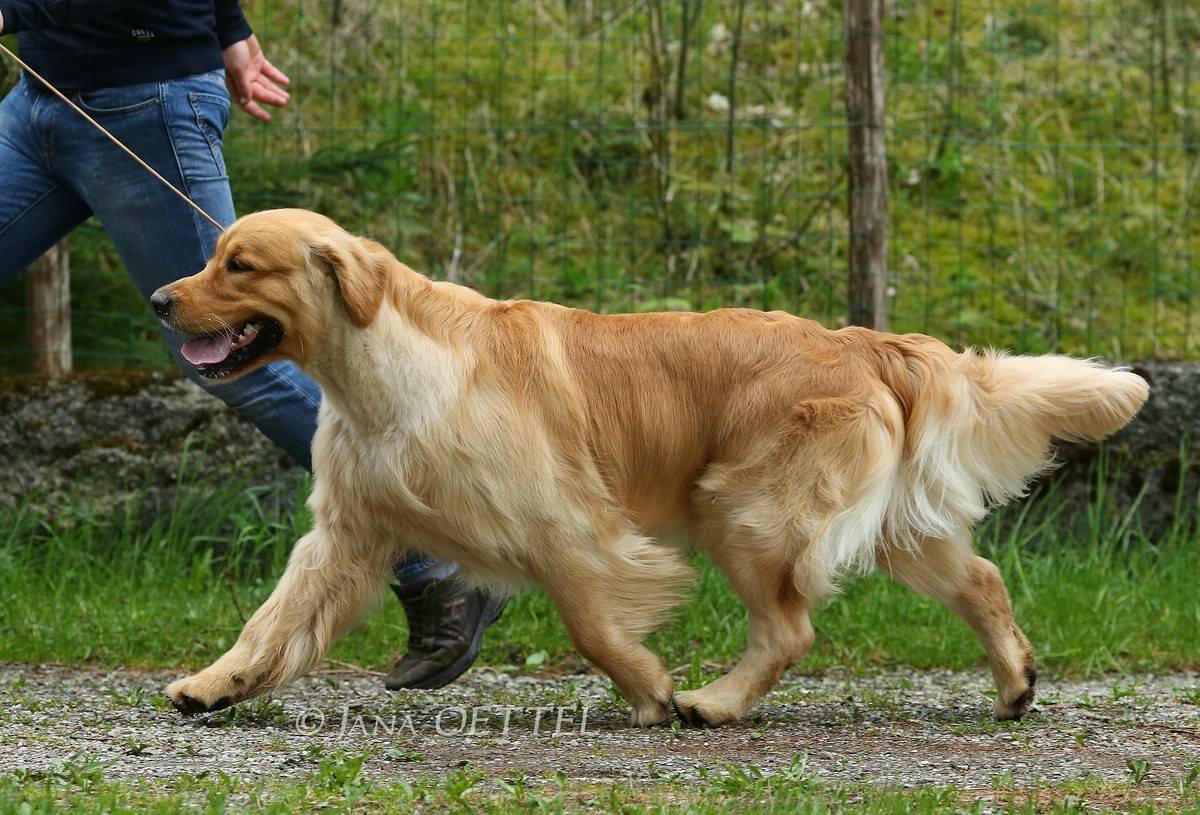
{"x": 160, "y": 301}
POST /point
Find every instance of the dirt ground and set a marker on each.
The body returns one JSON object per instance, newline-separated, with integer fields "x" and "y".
{"x": 900, "y": 728}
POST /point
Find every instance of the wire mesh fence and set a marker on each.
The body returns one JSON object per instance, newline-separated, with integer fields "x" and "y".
{"x": 1044, "y": 159}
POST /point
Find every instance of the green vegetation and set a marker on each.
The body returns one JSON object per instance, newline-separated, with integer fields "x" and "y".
{"x": 1042, "y": 161}
{"x": 80, "y": 586}
{"x": 338, "y": 785}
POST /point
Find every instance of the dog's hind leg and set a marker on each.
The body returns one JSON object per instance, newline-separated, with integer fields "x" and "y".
{"x": 609, "y": 600}
{"x": 971, "y": 586}
{"x": 321, "y": 595}
{"x": 780, "y": 635}
{"x": 765, "y": 519}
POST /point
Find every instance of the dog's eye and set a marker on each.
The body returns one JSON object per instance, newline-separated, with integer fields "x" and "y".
{"x": 237, "y": 265}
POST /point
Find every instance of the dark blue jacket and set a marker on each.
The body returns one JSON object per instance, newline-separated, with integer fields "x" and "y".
{"x": 85, "y": 44}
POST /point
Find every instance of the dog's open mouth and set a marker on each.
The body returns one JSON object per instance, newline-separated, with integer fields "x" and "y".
{"x": 223, "y": 353}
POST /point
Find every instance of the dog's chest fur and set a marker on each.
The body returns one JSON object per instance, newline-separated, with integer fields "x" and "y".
{"x": 440, "y": 467}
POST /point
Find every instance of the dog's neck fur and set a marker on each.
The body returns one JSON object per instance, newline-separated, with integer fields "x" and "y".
{"x": 399, "y": 373}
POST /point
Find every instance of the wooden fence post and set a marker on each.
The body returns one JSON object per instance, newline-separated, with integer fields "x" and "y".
{"x": 867, "y": 191}
{"x": 48, "y": 299}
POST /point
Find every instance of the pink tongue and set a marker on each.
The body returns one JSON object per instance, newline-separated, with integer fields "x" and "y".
{"x": 207, "y": 350}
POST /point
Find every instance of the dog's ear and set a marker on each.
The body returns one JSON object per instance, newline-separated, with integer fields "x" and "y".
{"x": 361, "y": 269}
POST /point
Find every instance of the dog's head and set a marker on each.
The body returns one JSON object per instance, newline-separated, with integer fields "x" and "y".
{"x": 272, "y": 289}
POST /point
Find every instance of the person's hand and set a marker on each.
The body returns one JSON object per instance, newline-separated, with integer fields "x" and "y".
{"x": 252, "y": 79}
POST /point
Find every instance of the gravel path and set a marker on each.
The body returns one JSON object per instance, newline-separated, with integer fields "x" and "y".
{"x": 905, "y": 728}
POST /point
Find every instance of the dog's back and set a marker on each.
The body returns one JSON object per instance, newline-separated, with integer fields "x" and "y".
{"x": 904, "y": 436}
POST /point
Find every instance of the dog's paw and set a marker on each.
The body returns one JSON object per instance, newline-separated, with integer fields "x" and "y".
{"x": 1017, "y": 705}
{"x": 649, "y": 715}
{"x": 190, "y": 699}
{"x": 696, "y": 710}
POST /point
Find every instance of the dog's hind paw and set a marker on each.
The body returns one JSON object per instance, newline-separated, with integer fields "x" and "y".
{"x": 1018, "y": 706}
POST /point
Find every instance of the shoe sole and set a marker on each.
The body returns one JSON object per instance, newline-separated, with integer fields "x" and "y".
{"x": 492, "y": 610}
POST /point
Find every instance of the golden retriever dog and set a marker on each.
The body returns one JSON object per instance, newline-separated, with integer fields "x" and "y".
{"x": 538, "y": 444}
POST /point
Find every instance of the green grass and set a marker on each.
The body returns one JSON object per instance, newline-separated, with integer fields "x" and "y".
{"x": 338, "y": 785}
{"x": 1091, "y": 591}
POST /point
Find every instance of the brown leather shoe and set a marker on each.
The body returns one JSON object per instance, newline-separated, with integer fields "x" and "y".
{"x": 446, "y": 621}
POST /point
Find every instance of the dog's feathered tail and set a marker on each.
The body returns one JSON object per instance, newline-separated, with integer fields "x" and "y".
{"x": 981, "y": 429}
{"x": 949, "y": 436}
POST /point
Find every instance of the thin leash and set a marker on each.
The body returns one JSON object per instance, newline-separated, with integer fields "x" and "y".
{"x": 112, "y": 138}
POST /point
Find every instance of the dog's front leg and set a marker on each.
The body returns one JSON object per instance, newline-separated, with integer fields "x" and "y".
{"x": 321, "y": 594}
{"x": 609, "y": 599}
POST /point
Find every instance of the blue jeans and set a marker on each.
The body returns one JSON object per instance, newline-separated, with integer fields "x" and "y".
{"x": 56, "y": 170}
